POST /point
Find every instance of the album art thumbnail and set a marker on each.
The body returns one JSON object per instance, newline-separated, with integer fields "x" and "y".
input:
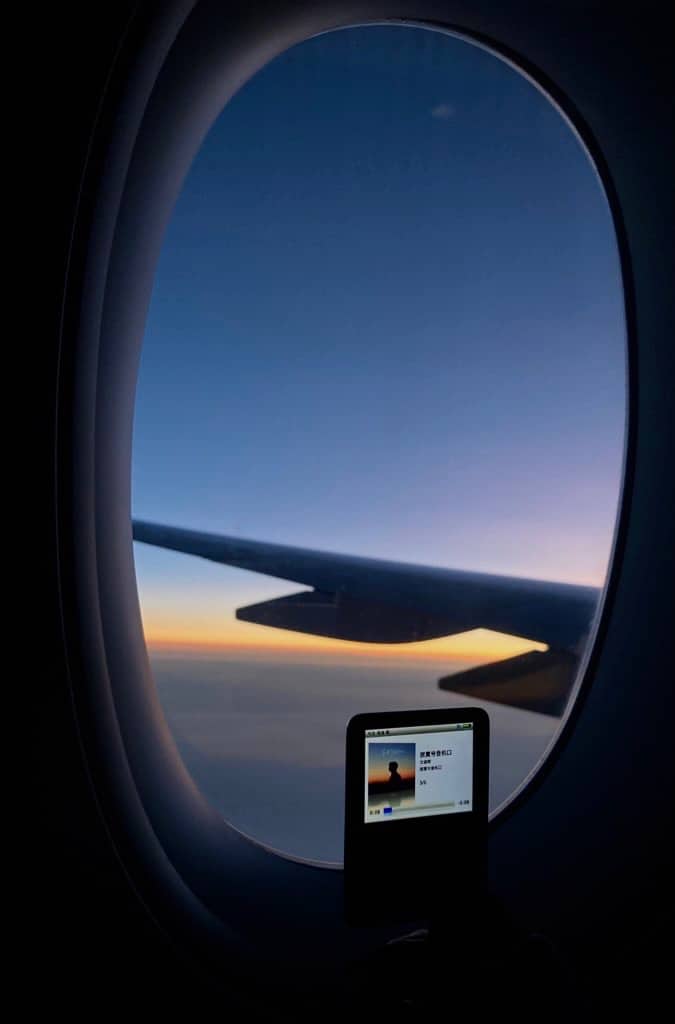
{"x": 391, "y": 769}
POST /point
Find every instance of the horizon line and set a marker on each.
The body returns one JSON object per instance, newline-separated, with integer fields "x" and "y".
{"x": 494, "y": 646}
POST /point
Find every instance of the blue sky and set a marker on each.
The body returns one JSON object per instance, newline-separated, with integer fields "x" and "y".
{"x": 387, "y": 320}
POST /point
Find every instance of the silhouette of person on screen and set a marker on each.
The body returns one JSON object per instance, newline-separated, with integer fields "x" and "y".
{"x": 395, "y": 780}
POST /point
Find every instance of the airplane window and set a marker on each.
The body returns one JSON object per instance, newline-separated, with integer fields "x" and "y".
{"x": 379, "y": 425}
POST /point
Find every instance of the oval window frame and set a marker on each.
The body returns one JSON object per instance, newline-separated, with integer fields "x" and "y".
{"x": 121, "y": 722}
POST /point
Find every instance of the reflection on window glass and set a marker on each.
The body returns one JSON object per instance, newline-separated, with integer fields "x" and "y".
{"x": 387, "y": 324}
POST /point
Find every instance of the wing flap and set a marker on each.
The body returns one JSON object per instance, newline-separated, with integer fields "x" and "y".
{"x": 344, "y": 618}
{"x": 535, "y": 681}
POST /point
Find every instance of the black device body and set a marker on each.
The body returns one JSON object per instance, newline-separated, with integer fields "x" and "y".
{"x": 416, "y": 860}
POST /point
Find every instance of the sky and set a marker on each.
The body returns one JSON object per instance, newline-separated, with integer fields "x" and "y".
{"x": 387, "y": 320}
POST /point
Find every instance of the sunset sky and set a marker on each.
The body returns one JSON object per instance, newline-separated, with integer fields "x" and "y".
{"x": 387, "y": 321}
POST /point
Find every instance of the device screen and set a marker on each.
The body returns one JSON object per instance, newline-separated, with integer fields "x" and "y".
{"x": 415, "y": 771}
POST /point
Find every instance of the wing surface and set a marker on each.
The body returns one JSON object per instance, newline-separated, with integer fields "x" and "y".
{"x": 377, "y": 601}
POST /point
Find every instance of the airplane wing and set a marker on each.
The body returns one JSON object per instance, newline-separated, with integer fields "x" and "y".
{"x": 376, "y": 601}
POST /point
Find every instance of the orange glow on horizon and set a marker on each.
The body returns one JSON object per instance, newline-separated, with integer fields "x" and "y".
{"x": 176, "y": 633}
